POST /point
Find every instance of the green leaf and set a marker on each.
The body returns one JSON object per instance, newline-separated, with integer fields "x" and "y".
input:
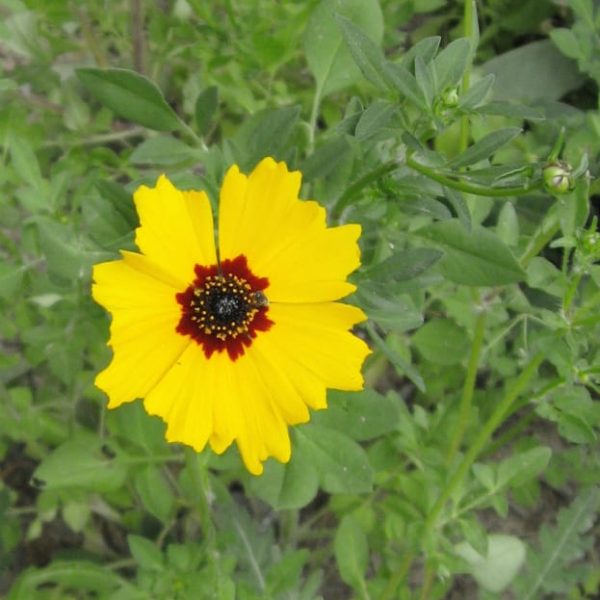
{"x": 144, "y": 434}
{"x": 120, "y": 200}
{"x": 524, "y": 466}
{"x": 82, "y": 462}
{"x": 351, "y": 552}
{"x": 164, "y": 150}
{"x": 361, "y": 415}
{"x": 106, "y": 226}
{"x": 403, "y": 266}
{"x": 405, "y": 83}
{"x": 146, "y": 553}
{"x": 25, "y": 163}
{"x": 535, "y": 71}
{"x": 10, "y": 279}
{"x": 131, "y": 96}
{"x": 397, "y": 313}
{"x": 512, "y": 110}
{"x": 451, "y": 62}
{"x": 425, "y": 48}
{"x": 325, "y": 158}
{"x": 484, "y": 148}
{"x": 402, "y": 366}
{"x": 508, "y": 224}
{"x": 154, "y": 491}
{"x": 425, "y": 80}
{"x": 566, "y": 41}
{"x": 576, "y": 429}
{"x": 287, "y": 487}
{"x": 559, "y": 546}
{"x": 477, "y": 93}
{"x": 67, "y": 575}
{"x": 76, "y": 515}
{"x": 495, "y": 570}
{"x": 477, "y": 258}
{"x": 342, "y": 464}
{"x": 366, "y": 53}
{"x": 206, "y": 106}
{"x": 284, "y": 576}
{"x": 265, "y": 134}
{"x": 442, "y": 341}
{"x": 375, "y": 119}
{"x": 65, "y": 254}
{"x": 475, "y": 535}
{"x": 328, "y": 57}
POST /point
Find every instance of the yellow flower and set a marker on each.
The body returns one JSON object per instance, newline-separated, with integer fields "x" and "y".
{"x": 234, "y": 344}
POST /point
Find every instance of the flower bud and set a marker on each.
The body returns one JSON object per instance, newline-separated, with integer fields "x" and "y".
{"x": 558, "y": 177}
{"x": 450, "y": 98}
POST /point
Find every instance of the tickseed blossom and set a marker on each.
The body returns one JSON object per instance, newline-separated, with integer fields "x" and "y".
{"x": 234, "y": 343}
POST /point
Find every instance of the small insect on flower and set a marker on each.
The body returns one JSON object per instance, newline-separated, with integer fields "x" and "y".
{"x": 233, "y": 345}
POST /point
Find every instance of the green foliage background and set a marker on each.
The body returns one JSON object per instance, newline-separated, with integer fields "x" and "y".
{"x": 465, "y": 139}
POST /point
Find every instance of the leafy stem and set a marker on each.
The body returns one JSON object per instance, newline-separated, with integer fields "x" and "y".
{"x": 485, "y": 433}
{"x": 469, "y": 15}
{"x": 470, "y": 188}
{"x": 466, "y": 400}
{"x": 482, "y": 438}
{"x": 196, "y": 464}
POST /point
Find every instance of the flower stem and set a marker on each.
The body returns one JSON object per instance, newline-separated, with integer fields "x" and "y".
{"x": 470, "y": 188}
{"x": 362, "y": 183}
{"x": 464, "y": 411}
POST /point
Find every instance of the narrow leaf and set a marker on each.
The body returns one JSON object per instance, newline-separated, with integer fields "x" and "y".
{"x": 485, "y": 147}
{"x": 328, "y": 57}
{"x": 342, "y": 464}
{"x": 367, "y": 55}
{"x": 131, "y": 96}
{"x": 451, "y": 62}
{"x": 206, "y": 106}
{"x": 351, "y": 551}
{"x": 477, "y": 258}
{"x": 476, "y": 94}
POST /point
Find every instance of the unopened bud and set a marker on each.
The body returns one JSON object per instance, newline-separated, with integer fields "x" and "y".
{"x": 558, "y": 177}
{"x": 450, "y": 98}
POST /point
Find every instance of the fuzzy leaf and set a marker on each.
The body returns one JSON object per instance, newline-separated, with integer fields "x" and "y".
{"x": 131, "y": 96}
{"x": 477, "y": 258}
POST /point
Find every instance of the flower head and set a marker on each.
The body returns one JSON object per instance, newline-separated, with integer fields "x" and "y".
{"x": 234, "y": 344}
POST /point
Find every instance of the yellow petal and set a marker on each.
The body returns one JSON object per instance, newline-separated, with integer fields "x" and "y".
{"x": 314, "y": 338}
{"x": 284, "y": 238}
{"x": 176, "y": 228}
{"x": 143, "y": 337}
{"x": 246, "y": 406}
{"x": 184, "y": 398}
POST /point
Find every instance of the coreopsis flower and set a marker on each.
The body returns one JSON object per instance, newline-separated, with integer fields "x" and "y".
{"x": 233, "y": 340}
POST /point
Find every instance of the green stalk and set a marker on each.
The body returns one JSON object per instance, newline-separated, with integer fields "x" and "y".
{"x": 362, "y": 183}
{"x": 464, "y": 411}
{"x": 196, "y": 464}
{"x": 466, "y": 80}
{"x": 542, "y": 238}
{"x": 485, "y": 433}
{"x": 470, "y": 188}
{"x": 571, "y": 291}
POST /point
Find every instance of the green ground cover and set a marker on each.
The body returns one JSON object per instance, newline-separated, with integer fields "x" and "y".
{"x": 465, "y": 139}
